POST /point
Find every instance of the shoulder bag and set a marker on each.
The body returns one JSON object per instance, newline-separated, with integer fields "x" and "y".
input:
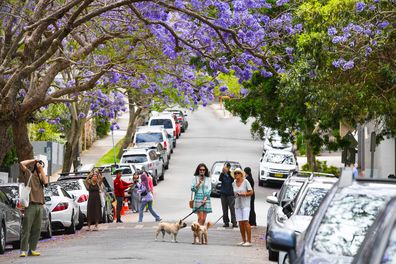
{"x": 24, "y": 196}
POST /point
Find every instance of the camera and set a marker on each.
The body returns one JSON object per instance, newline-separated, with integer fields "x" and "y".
{"x": 41, "y": 163}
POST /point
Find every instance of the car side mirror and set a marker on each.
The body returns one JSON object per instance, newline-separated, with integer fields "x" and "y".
{"x": 283, "y": 240}
{"x": 272, "y": 200}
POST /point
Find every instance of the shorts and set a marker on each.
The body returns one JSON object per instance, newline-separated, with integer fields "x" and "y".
{"x": 242, "y": 214}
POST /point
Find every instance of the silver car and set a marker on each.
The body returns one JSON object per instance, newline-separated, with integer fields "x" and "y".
{"x": 215, "y": 172}
{"x": 145, "y": 159}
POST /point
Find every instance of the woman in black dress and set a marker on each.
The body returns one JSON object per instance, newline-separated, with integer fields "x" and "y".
{"x": 93, "y": 183}
{"x": 252, "y": 215}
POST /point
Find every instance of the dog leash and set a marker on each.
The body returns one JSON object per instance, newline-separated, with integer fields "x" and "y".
{"x": 193, "y": 212}
{"x": 218, "y": 220}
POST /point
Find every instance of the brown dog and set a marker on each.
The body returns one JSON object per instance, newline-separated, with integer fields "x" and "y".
{"x": 170, "y": 228}
{"x": 200, "y": 232}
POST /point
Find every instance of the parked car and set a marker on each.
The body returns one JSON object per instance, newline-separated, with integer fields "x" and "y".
{"x": 167, "y": 121}
{"x": 64, "y": 209}
{"x": 10, "y": 223}
{"x": 215, "y": 172}
{"x": 159, "y": 150}
{"x": 127, "y": 171}
{"x": 297, "y": 214}
{"x": 12, "y": 191}
{"x": 380, "y": 246}
{"x": 155, "y": 134}
{"x": 145, "y": 159}
{"x": 181, "y": 117}
{"x": 272, "y": 140}
{"x": 74, "y": 183}
{"x": 276, "y": 166}
{"x": 286, "y": 194}
{"x": 340, "y": 224}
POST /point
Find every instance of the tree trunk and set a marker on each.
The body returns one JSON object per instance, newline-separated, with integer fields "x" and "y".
{"x": 22, "y": 143}
{"x": 72, "y": 146}
{"x": 311, "y": 157}
{"x": 5, "y": 140}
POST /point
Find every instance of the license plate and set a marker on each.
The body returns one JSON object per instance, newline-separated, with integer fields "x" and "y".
{"x": 279, "y": 175}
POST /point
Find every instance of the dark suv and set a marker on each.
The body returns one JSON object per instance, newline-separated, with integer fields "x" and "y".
{"x": 339, "y": 225}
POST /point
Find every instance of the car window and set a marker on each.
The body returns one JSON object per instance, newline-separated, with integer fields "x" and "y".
{"x": 12, "y": 192}
{"x": 138, "y": 158}
{"x": 69, "y": 185}
{"x": 66, "y": 194}
{"x": 126, "y": 171}
{"x": 51, "y": 190}
{"x": 3, "y": 198}
{"x": 153, "y": 155}
{"x": 312, "y": 200}
{"x": 279, "y": 158}
{"x": 290, "y": 192}
{"x": 390, "y": 250}
{"x": 149, "y": 137}
{"x": 167, "y": 123}
{"x": 346, "y": 221}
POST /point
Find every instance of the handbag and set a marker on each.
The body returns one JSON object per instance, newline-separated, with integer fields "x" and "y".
{"x": 191, "y": 202}
{"x": 24, "y": 197}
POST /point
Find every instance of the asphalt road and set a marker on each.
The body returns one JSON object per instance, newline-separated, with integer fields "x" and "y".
{"x": 210, "y": 137}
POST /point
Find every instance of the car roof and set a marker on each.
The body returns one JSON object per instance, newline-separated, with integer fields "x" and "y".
{"x": 279, "y": 151}
{"x": 132, "y": 151}
{"x": 225, "y": 161}
{"x": 9, "y": 184}
{"x": 148, "y": 129}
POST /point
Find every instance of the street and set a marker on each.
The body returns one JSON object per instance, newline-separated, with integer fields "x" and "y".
{"x": 210, "y": 137}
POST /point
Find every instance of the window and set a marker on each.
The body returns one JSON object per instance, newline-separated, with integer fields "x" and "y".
{"x": 347, "y": 219}
{"x": 149, "y": 137}
{"x": 139, "y": 158}
{"x": 51, "y": 190}
{"x": 390, "y": 251}
{"x": 3, "y": 198}
{"x": 153, "y": 155}
{"x": 12, "y": 192}
{"x": 290, "y": 192}
{"x": 279, "y": 159}
{"x": 312, "y": 200}
{"x": 167, "y": 123}
{"x": 66, "y": 194}
{"x": 69, "y": 185}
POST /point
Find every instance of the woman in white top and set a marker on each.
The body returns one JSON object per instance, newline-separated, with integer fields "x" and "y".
{"x": 242, "y": 190}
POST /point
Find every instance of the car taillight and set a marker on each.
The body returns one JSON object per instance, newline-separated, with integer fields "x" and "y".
{"x": 180, "y": 118}
{"x": 82, "y": 198}
{"x": 165, "y": 145}
{"x": 19, "y": 206}
{"x": 60, "y": 207}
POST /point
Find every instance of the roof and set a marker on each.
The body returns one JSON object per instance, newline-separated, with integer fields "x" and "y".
{"x": 9, "y": 184}
{"x": 149, "y": 129}
{"x": 279, "y": 151}
{"x": 131, "y": 151}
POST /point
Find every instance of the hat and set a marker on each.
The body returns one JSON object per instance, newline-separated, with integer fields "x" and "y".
{"x": 237, "y": 170}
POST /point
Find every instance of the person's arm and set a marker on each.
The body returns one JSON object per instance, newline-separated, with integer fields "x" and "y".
{"x": 25, "y": 163}
{"x": 195, "y": 184}
{"x": 125, "y": 185}
{"x": 88, "y": 180}
{"x": 42, "y": 175}
{"x": 249, "y": 191}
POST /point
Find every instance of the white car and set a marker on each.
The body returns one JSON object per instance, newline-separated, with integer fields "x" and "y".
{"x": 145, "y": 159}
{"x": 215, "y": 172}
{"x": 155, "y": 134}
{"x": 168, "y": 122}
{"x": 64, "y": 210}
{"x": 276, "y": 166}
{"x": 272, "y": 140}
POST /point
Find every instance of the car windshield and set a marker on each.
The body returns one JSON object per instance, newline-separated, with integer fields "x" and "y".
{"x": 347, "y": 219}
{"x": 149, "y": 137}
{"x": 279, "y": 158}
{"x": 167, "y": 123}
{"x": 312, "y": 200}
{"x": 141, "y": 158}
{"x": 12, "y": 192}
{"x": 290, "y": 192}
{"x": 69, "y": 185}
{"x": 51, "y": 190}
{"x": 218, "y": 167}
{"x": 390, "y": 251}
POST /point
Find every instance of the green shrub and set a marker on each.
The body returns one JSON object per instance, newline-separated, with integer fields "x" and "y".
{"x": 102, "y": 127}
{"x": 322, "y": 167}
{"x": 300, "y": 144}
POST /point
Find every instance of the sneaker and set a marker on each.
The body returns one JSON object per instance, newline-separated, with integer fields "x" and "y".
{"x": 241, "y": 243}
{"x": 34, "y": 253}
{"x": 158, "y": 220}
{"x": 234, "y": 226}
{"x": 119, "y": 221}
{"x": 23, "y": 254}
{"x": 226, "y": 225}
{"x": 247, "y": 244}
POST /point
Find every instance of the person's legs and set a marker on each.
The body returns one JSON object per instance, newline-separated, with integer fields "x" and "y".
{"x": 142, "y": 205}
{"x": 224, "y": 206}
{"x": 201, "y": 218}
{"x": 36, "y": 226}
{"x": 242, "y": 230}
{"x": 119, "y": 207}
{"x": 26, "y": 227}
{"x": 153, "y": 213}
{"x": 231, "y": 203}
{"x": 248, "y": 232}
{"x": 204, "y": 214}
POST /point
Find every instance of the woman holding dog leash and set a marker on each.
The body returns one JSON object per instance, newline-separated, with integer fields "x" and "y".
{"x": 243, "y": 190}
{"x": 201, "y": 187}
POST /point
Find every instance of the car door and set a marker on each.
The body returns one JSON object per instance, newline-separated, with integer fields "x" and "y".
{"x": 72, "y": 202}
{"x": 154, "y": 159}
{"x": 12, "y": 218}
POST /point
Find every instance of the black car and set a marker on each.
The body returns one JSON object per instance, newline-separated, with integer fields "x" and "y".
{"x": 12, "y": 191}
{"x": 10, "y": 223}
{"x": 380, "y": 245}
{"x": 339, "y": 225}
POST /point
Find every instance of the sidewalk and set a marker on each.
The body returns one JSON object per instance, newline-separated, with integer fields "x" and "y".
{"x": 103, "y": 145}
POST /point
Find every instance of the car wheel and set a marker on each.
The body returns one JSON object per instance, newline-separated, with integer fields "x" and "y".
{"x": 80, "y": 220}
{"x": 72, "y": 228}
{"x": 162, "y": 177}
{"x": 2, "y": 238}
{"x": 48, "y": 232}
{"x": 174, "y": 144}
{"x": 110, "y": 216}
{"x": 104, "y": 216}
{"x": 183, "y": 130}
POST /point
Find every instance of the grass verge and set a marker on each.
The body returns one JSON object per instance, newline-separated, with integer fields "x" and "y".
{"x": 108, "y": 158}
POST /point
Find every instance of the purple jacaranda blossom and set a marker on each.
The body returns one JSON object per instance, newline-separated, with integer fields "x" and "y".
{"x": 266, "y": 73}
{"x": 223, "y": 88}
{"x": 348, "y": 65}
{"x": 332, "y": 31}
{"x": 383, "y": 24}
{"x": 281, "y": 2}
{"x": 360, "y": 6}
{"x": 62, "y": 128}
{"x": 368, "y": 51}
{"x": 372, "y": 7}
{"x": 41, "y": 130}
{"x": 339, "y": 63}
{"x": 289, "y": 50}
{"x": 244, "y": 92}
{"x": 81, "y": 115}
